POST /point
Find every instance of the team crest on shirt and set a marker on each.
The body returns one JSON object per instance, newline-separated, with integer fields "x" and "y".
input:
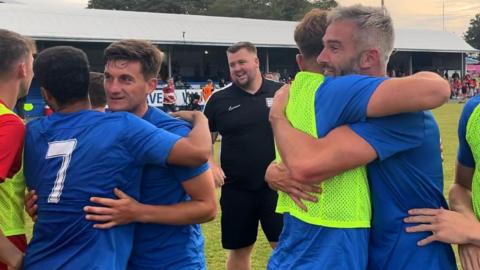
{"x": 269, "y": 101}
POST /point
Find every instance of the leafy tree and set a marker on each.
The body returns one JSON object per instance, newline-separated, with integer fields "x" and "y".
{"x": 472, "y": 36}
{"x": 163, "y": 6}
{"x": 260, "y": 9}
{"x": 324, "y": 4}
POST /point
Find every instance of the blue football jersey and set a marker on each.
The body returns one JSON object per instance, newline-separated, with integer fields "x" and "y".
{"x": 338, "y": 101}
{"x": 68, "y": 159}
{"x": 464, "y": 155}
{"x": 408, "y": 174}
{"x": 162, "y": 246}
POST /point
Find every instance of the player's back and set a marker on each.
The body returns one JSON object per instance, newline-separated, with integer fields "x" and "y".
{"x": 409, "y": 179}
{"x": 68, "y": 159}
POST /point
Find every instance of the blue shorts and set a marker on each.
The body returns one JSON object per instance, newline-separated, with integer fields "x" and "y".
{"x": 312, "y": 247}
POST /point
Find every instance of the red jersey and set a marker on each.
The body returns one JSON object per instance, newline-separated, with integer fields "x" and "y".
{"x": 169, "y": 95}
{"x": 207, "y": 91}
{"x": 12, "y": 133}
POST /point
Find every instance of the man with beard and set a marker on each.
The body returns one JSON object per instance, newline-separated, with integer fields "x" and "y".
{"x": 240, "y": 114}
{"x": 359, "y": 40}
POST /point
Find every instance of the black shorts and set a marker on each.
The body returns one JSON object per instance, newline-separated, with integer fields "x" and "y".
{"x": 241, "y": 212}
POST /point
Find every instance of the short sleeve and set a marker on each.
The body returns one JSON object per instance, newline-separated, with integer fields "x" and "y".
{"x": 147, "y": 143}
{"x": 348, "y": 94}
{"x": 464, "y": 154}
{"x": 185, "y": 173}
{"x": 393, "y": 134}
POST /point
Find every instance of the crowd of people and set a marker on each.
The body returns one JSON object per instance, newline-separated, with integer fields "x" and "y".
{"x": 463, "y": 88}
{"x": 340, "y": 168}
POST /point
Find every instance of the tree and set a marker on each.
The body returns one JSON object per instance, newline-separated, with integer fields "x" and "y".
{"x": 163, "y": 6}
{"x": 472, "y": 36}
{"x": 324, "y": 4}
{"x": 290, "y": 10}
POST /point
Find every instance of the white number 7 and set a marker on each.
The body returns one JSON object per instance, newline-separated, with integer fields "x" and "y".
{"x": 63, "y": 149}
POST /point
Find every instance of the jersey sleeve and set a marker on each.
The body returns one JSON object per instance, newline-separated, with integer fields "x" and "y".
{"x": 351, "y": 95}
{"x": 186, "y": 173}
{"x": 393, "y": 134}
{"x": 12, "y": 133}
{"x": 181, "y": 128}
{"x": 210, "y": 114}
{"x": 147, "y": 143}
{"x": 464, "y": 154}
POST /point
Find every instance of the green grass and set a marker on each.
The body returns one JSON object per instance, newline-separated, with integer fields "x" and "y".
{"x": 447, "y": 117}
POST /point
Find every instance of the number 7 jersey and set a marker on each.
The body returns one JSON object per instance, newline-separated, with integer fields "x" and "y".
{"x": 72, "y": 157}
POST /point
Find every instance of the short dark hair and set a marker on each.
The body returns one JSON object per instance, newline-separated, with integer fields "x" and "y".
{"x": 63, "y": 72}
{"x": 242, "y": 45}
{"x": 310, "y": 31}
{"x": 149, "y": 56}
{"x": 96, "y": 91}
{"x": 13, "y": 47}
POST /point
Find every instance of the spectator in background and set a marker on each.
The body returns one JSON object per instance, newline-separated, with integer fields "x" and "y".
{"x": 169, "y": 98}
{"x": 240, "y": 115}
{"x": 193, "y": 101}
{"x": 180, "y": 83}
{"x": 269, "y": 76}
{"x": 455, "y": 75}
{"x": 222, "y": 83}
{"x": 457, "y": 86}
{"x": 96, "y": 92}
{"x": 207, "y": 90}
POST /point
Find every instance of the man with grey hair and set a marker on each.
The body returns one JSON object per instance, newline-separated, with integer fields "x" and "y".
{"x": 395, "y": 148}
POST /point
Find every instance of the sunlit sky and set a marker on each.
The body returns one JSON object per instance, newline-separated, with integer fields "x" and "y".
{"x": 425, "y": 14}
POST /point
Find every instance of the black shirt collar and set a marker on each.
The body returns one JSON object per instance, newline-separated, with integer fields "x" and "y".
{"x": 260, "y": 91}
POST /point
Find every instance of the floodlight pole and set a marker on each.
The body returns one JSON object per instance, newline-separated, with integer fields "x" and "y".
{"x": 443, "y": 15}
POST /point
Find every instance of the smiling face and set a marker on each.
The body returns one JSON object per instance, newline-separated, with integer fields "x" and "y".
{"x": 340, "y": 55}
{"x": 244, "y": 68}
{"x": 126, "y": 87}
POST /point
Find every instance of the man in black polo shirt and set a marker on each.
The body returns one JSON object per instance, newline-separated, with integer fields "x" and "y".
{"x": 240, "y": 114}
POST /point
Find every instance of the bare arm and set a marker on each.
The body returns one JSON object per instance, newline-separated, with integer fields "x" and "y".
{"x": 218, "y": 174}
{"x": 418, "y": 92}
{"x": 311, "y": 160}
{"x": 193, "y": 150}
{"x": 455, "y": 227}
{"x": 446, "y": 226}
{"x": 30, "y": 203}
{"x": 279, "y": 178}
{"x": 201, "y": 208}
{"x": 9, "y": 253}
{"x": 460, "y": 197}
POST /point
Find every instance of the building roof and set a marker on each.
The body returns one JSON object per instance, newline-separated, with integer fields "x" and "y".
{"x": 91, "y": 25}
{"x": 430, "y": 41}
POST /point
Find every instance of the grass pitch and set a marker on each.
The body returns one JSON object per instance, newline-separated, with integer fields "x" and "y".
{"x": 447, "y": 117}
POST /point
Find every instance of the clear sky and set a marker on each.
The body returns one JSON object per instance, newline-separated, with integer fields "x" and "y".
{"x": 428, "y": 14}
{"x": 425, "y": 14}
